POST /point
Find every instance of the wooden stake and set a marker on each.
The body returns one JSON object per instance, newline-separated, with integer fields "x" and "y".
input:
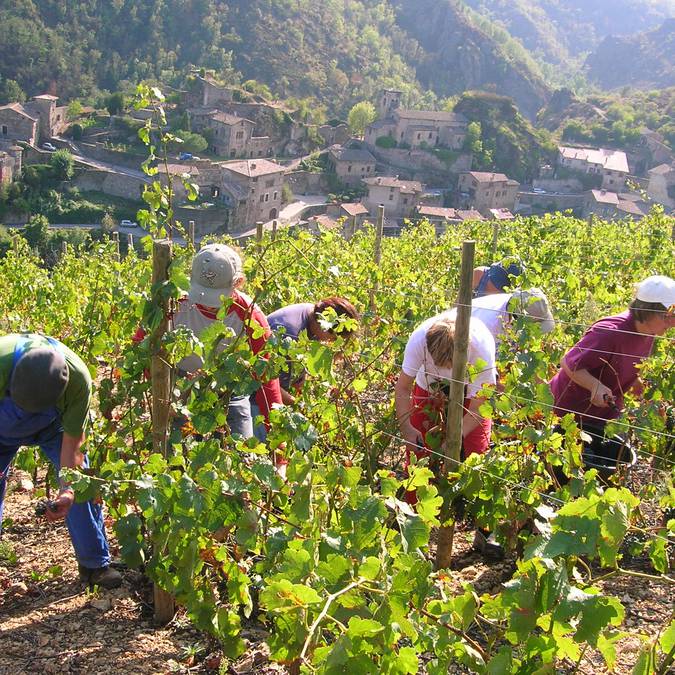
{"x": 377, "y": 252}
{"x": 274, "y": 229}
{"x": 161, "y": 398}
{"x": 116, "y": 243}
{"x": 495, "y": 237}
{"x": 130, "y": 242}
{"x": 64, "y": 248}
{"x": 259, "y": 231}
{"x": 452, "y": 444}
{"x": 191, "y": 233}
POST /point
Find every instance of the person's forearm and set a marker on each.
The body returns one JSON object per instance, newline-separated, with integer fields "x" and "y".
{"x": 472, "y": 419}
{"x": 581, "y": 377}
{"x": 71, "y": 457}
{"x": 403, "y": 405}
{"x": 286, "y": 397}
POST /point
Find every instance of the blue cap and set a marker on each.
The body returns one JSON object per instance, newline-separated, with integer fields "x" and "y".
{"x": 500, "y": 275}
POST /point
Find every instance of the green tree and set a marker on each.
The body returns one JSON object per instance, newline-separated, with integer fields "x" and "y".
{"x": 11, "y": 92}
{"x": 192, "y": 142}
{"x": 62, "y": 164}
{"x": 36, "y": 232}
{"x": 360, "y": 116}
{"x": 115, "y": 103}
{"x": 74, "y": 110}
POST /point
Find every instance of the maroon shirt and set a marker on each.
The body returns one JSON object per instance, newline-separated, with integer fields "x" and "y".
{"x": 610, "y": 350}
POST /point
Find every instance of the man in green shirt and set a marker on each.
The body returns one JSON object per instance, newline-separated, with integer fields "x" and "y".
{"x": 45, "y": 392}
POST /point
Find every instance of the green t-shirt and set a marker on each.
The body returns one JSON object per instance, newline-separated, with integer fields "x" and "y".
{"x": 74, "y": 403}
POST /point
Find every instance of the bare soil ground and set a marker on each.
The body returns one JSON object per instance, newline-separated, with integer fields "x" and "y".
{"x": 50, "y": 623}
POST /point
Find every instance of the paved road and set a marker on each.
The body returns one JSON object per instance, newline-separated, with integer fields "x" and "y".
{"x": 79, "y": 157}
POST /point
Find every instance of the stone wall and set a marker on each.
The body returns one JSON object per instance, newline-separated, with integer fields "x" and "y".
{"x": 109, "y": 182}
{"x": 307, "y": 183}
{"x": 550, "y": 202}
{"x": 99, "y": 152}
{"x": 566, "y": 185}
{"x": 420, "y": 165}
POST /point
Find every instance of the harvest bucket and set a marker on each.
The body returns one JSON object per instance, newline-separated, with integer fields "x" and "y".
{"x": 606, "y": 454}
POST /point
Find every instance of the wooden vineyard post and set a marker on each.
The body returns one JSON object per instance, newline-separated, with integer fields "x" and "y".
{"x": 64, "y": 249}
{"x": 191, "y": 233}
{"x": 161, "y": 399}
{"x": 116, "y": 243}
{"x": 495, "y": 238}
{"x": 130, "y": 243}
{"x": 352, "y": 226}
{"x": 452, "y": 443}
{"x": 275, "y": 225}
{"x": 259, "y": 233}
{"x": 377, "y": 251}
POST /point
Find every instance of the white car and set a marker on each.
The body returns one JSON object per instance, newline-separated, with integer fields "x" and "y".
{"x": 128, "y": 223}
{"x": 49, "y": 146}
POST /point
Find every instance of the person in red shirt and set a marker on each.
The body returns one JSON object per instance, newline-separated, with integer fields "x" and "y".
{"x": 217, "y": 274}
{"x": 597, "y": 372}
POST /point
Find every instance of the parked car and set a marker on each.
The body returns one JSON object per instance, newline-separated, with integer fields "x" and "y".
{"x": 184, "y": 156}
{"x": 49, "y": 146}
{"x": 128, "y": 223}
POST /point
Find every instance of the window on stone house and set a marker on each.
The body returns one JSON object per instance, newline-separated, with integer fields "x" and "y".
{"x": 275, "y": 195}
{"x": 430, "y": 135}
{"x": 401, "y": 134}
{"x": 419, "y": 136}
{"x": 240, "y": 135}
{"x": 4, "y": 129}
{"x": 269, "y": 183}
{"x": 262, "y": 198}
{"x": 391, "y": 197}
{"x": 233, "y": 153}
{"x": 487, "y": 193}
{"x": 405, "y": 200}
{"x": 367, "y": 169}
{"x": 349, "y": 169}
{"x": 254, "y": 179}
{"x": 267, "y": 196}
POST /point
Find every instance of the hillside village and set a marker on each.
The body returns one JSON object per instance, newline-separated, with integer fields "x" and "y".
{"x": 262, "y": 163}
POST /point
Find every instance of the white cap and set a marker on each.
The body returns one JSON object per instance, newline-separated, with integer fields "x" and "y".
{"x": 534, "y": 303}
{"x": 215, "y": 271}
{"x": 657, "y": 289}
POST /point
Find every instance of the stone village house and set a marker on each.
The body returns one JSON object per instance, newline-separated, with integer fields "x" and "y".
{"x": 610, "y": 165}
{"x": 485, "y": 191}
{"x": 351, "y": 165}
{"x": 416, "y": 128}
{"x": 32, "y": 122}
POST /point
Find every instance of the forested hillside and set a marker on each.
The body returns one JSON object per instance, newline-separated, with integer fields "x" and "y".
{"x": 336, "y": 52}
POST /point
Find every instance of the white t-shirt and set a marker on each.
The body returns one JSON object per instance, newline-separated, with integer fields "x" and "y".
{"x": 417, "y": 361}
{"x": 492, "y": 310}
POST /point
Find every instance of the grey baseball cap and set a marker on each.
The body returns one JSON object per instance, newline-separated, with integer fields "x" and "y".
{"x": 534, "y": 304}
{"x": 215, "y": 272}
{"x": 39, "y": 379}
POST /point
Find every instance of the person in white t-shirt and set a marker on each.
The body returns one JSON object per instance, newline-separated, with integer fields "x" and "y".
{"x": 497, "y": 310}
{"x": 427, "y": 369}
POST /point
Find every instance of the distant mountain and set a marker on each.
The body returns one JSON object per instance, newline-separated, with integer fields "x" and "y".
{"x": 647, "y": 60}
{"x": 556, "y": 30}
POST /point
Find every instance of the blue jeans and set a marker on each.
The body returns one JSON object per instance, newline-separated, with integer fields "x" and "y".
{"x": 259, "y": 430}
{"x": 239, "y": 417}
{"x": 84, "y": 520}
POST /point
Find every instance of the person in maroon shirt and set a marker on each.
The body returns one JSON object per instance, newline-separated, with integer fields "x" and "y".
{"x": 597, "y": 372}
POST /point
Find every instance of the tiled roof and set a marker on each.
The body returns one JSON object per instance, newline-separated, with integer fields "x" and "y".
{"x": 438, "y": 212}
{"x": 253, "y": 167}
{"x": 604, "y": 197}
{"x": 470, "y": 214}
{"x": 488, "y": 177}
{"x": 661, "y": 170}
{"x": 354, "y": 209}
{"x": 407, "y": 186}
{"x": 501, "y": 214}
{"x": 230, "y": 120}
{"x": 429, "y": 115}
{"x": 351, "y": 155}
{"x": 18, "y": 108}
{"x": 612, "y": 160}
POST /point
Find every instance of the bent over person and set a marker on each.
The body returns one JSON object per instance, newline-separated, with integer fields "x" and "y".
{"x": 421, "y": 389}
{"x": 603, "y": 366}
{"x": 47, "y": 392}
{"x": 217, "y": 272}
